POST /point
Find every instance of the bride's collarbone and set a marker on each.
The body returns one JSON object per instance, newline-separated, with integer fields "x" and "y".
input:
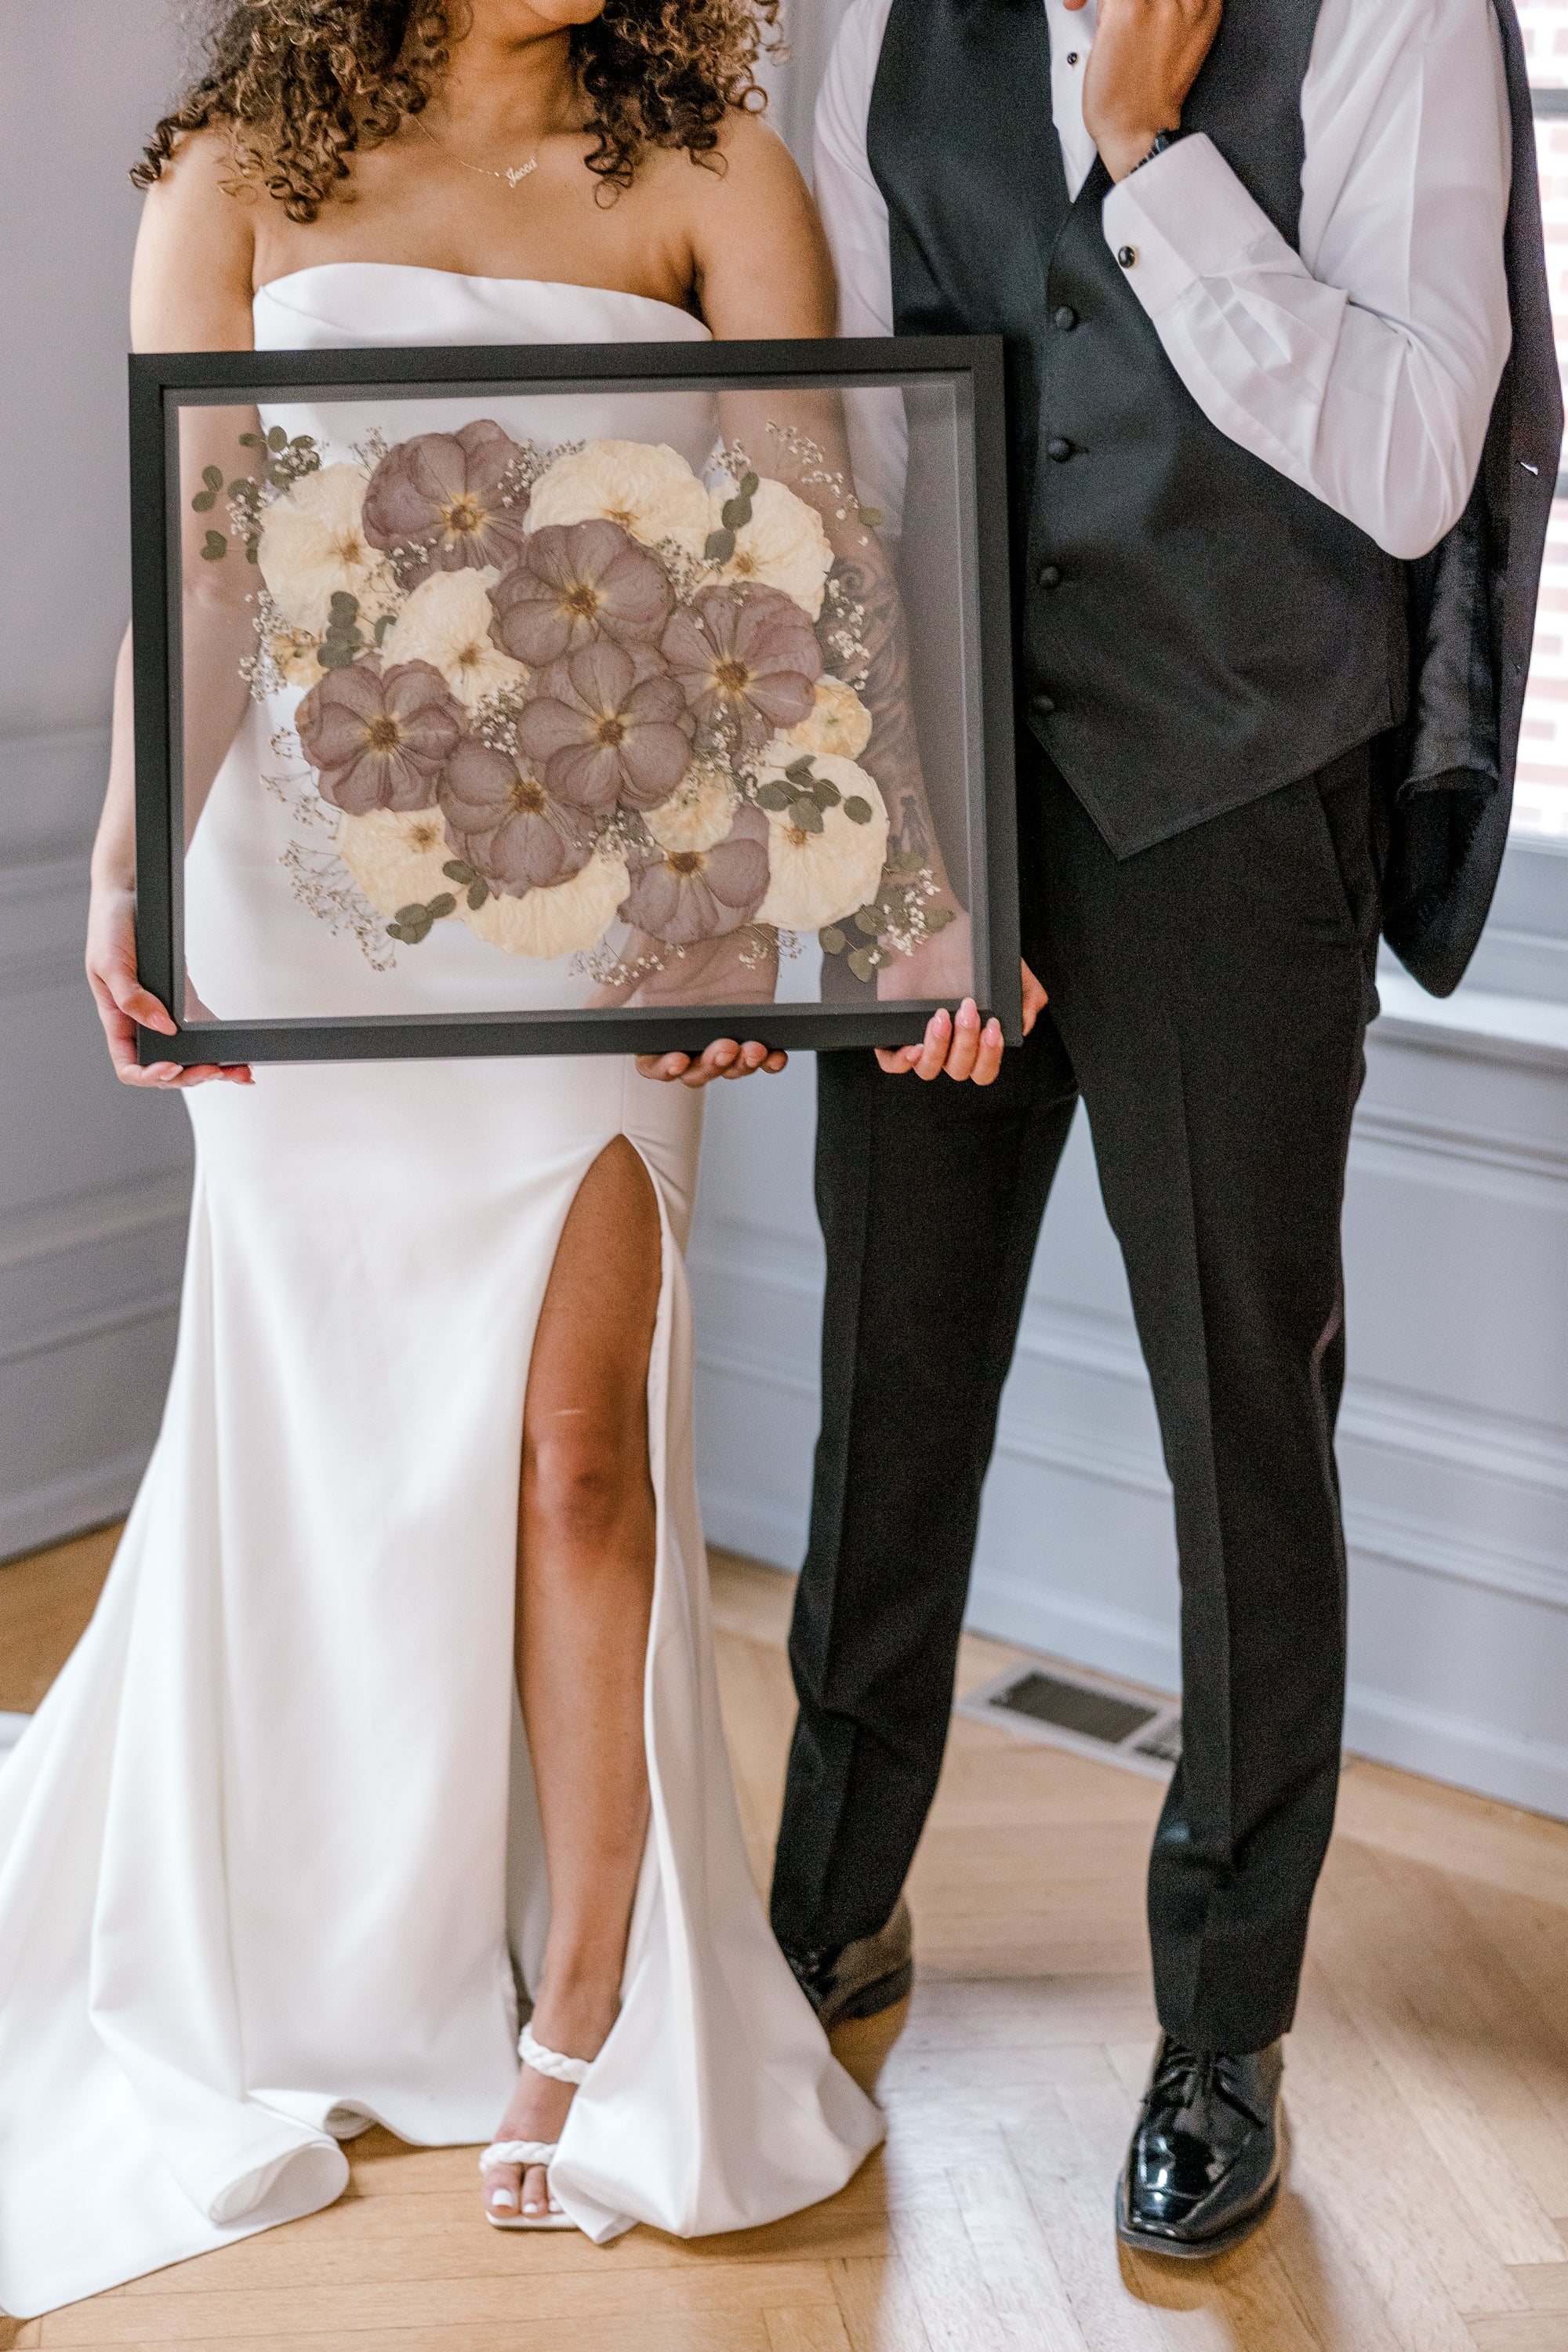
{"x": 632, "y": 244}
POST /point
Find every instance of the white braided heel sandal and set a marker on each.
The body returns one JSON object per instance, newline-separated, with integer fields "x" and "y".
{"x": 534, "y": 2152}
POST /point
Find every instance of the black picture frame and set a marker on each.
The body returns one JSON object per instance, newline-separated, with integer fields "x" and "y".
{"x": 161, "y": 383}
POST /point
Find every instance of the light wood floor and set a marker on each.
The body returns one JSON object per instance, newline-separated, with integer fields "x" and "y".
{"x": 1427, "y": 2207}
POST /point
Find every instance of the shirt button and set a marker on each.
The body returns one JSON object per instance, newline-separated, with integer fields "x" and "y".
{"x": 1127, "y": 254}
{"x": 1048, "y": 576}
{"x": 1059, "y": 450}
{"x": 1065, "y": 319}
{"x": 1041, "y": 705}
{"x": 1072, "y": 57}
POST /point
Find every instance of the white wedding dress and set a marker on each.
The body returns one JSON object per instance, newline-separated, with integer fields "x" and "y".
{"x": 270, "y": 1865}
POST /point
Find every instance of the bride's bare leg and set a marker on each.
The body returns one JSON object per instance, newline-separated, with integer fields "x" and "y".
{"x": 584, "y": 1588}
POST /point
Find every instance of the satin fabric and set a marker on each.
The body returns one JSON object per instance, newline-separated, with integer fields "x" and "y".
{"x": 270, "y": 1866}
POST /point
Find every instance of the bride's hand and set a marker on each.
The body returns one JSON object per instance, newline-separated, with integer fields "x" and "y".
{"x": 124, "y": 1005}
{"x": 961, "y": 1047}
{"x": 713, "y": 971}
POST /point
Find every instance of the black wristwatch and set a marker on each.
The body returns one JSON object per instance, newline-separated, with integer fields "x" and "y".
{"x": 1162, "y": 138}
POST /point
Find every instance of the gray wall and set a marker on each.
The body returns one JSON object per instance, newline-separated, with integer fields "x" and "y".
{"x": 93, "y": 1179}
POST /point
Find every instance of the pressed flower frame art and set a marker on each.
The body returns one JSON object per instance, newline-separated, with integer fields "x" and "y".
{"x": 562, "y": 699}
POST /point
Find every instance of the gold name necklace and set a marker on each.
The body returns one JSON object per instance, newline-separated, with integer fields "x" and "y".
{"x": 513, "y": 178}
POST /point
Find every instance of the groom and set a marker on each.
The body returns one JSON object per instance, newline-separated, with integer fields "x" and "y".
{"x": 1277, "y": 535}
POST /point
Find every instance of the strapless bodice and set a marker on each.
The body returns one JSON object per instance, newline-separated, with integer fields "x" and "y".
{"x": 347, "y": 305}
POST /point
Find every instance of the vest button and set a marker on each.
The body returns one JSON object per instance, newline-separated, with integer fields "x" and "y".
{"x": 1048, "y": 576}
{"x": 1041, "y": 705}
{"x": 1066, "y": 319}
{"x": 1059, "y": 450}
{"x": 1127, "y": 254}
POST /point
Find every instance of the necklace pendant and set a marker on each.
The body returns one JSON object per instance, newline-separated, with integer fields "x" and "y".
{"x": 521, "y": 172}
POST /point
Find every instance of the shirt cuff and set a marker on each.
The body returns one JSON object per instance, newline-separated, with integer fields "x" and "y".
{"x": 1184, "y": 216}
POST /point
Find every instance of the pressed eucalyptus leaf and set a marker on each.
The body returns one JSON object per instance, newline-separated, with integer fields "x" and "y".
{"x": 735, "y": 514}
{"x": 478, "y": 893}
{"x": 833, "y": 940}
{"x": 721, "y": 546}
{"x": 866, "y": 919}
{"x": 871, "y": 517}
{"x": 799, "y": 771}
{"x": 862, "y": 962}
{"x": 276, "y": 438}
{"x": 857, "y": 810}
{"x": 203, "y": 503}
{"x": 241, "y": 487}
{"x": 212, "y": 477}
{"x": 457, "y": 870}
{"x": 382, "y": 626}
{"x": 411, "y": 914}
{"x": 806, "y": 816}
{"x": 442, "y": 904}
{"x": 215, "y": 547}
{"x": 940, "y": 918}
{"x": 253, "y": 551}
{"x": 826, "y": 795}
{"x": 750, "y": 486}
{"x": 398, "y": 932}
{"x": 332, "y": 654}
{"x": 772, "y": 796}
{"x": 250, "y": 441}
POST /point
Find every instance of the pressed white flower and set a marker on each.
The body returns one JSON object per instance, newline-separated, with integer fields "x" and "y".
{"x": 313, "y": 548}
{"x": 294, "y": 651}
{"x": 396, "y": 856}
{"x": 699, "y": 813}
{"x": 819, "y": 877}
{"x": 447, "y": 623}
{"x": 837, "y": 721}
{"x": 559, "y": 920}
{"x": 785, "y": 544}
{"x": 649, "y": 489}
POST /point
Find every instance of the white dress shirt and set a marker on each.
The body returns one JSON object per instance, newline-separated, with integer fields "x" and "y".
{"x": 1363, "y": 367}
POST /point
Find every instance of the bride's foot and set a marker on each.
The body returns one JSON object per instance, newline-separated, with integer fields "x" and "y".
{"x": 576, "y": 2028}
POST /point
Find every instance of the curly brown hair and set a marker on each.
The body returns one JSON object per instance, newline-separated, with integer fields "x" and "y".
{"x": 302, "y": 84}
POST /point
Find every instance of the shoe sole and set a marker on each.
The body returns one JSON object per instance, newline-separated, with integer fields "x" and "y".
{"x": 1201, "y": 2250}
{"x": 871, "y": 1999}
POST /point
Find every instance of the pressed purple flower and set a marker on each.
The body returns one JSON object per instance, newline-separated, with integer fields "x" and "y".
{"x": 747, "y": 660}
{"x": 379, "y": 738}
{"x": 449, "y": 501}
{"x": 609, "y": 727}
{"x": 574, "y": 582}
{"x": 506, "y": 824}
{"x": 682, "y": 895}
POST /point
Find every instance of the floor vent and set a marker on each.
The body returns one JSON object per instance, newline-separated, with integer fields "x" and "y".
{"x": 1091, "y": 1715}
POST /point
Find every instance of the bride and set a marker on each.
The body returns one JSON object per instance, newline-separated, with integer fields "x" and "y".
{"x": 281, "y": 1855}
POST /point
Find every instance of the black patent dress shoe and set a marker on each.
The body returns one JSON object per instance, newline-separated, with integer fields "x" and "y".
{"x": 859, "y": 1978}
{"x": 1204, "y": 2166}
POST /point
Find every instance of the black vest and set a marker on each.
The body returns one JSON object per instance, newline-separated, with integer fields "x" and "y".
{"x": 1204, "y": 629}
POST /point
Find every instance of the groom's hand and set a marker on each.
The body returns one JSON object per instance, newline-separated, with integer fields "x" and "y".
{"x": 1145, "y": 58}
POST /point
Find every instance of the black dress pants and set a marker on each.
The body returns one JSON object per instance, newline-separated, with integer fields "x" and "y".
{"x": 1208, "y": 1000}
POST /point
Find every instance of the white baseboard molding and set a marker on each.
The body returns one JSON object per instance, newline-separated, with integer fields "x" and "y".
{"x": 36, "y": 1515}
{"x": 753, "y": 1525}
{"x": 1481, "y": 1757}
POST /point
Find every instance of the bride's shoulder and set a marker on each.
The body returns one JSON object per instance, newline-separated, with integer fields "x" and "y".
{"x": 757, "y": 244}
{"x": 190, "y": 284}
